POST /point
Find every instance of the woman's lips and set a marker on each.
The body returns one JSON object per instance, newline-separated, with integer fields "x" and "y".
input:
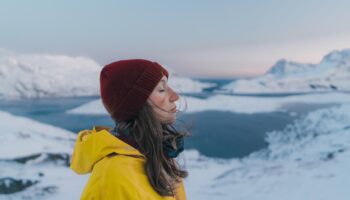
{"x": 173, "y": 110}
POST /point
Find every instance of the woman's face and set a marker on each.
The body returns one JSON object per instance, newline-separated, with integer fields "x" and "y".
{"x": 163, "y": 99}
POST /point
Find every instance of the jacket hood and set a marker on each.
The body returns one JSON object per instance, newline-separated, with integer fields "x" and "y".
{"x": 93, "y": 145}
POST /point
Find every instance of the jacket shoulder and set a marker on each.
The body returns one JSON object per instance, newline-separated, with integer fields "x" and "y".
{"x": 113, "y": 177}
{"x": 123, "y": 177}
{"x": 116, "y": 164}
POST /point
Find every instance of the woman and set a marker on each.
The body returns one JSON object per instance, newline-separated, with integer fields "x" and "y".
{"x": 135, "y": 159}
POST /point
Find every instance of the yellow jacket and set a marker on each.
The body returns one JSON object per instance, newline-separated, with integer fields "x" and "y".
{"x": 117, "y": 169}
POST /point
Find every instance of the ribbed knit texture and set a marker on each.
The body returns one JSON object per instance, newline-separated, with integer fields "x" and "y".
{"x": 125, "y": 86}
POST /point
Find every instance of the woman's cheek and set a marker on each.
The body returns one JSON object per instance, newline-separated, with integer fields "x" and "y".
{"x": 160, "y": 99}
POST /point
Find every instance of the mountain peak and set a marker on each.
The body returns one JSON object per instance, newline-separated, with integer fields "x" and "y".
{"x": 284, "y": 67}
{"x": 278, "y": 68}
{"x": 337, "y": 56}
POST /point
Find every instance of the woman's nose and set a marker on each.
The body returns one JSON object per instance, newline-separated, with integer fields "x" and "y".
{"x": 174, "y": 96}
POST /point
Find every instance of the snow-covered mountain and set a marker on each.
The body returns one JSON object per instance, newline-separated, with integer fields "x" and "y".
{"x": 45, "y": 75}
{"x": 332, "y": 73}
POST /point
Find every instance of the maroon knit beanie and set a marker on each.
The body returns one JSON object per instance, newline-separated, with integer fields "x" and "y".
{"x": 125, "y": 86}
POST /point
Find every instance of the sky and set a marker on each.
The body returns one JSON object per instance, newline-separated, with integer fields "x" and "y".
{"x": 221, "y": 39}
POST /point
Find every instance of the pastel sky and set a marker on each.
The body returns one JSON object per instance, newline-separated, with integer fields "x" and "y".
{"x": 199, "y": 38}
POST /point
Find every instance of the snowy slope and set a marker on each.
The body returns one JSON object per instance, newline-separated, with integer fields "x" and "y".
{"x": 22, "y": 136}
{"x": 44, "y": 75}
{"x": 34, "y": 159}
{"x": 332, "y": 73}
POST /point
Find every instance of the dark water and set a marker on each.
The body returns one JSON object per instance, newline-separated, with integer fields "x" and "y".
{"x": 219, "y": 83}
{"x": 53, "y": 111}
{"x": 227, "y": 134}
{"x": 214, "y": 133}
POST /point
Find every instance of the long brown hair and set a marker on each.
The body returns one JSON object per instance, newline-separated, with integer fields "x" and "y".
{"x": 148, "y": 132}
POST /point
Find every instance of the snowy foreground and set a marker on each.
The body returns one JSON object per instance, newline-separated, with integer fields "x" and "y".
{"x": 332, "y": 73}
{"x": 308, "y": 160}
{"x": 238, "y": 104}
{"x": 34, "y": 160}
{"x": 45, "y": 75}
